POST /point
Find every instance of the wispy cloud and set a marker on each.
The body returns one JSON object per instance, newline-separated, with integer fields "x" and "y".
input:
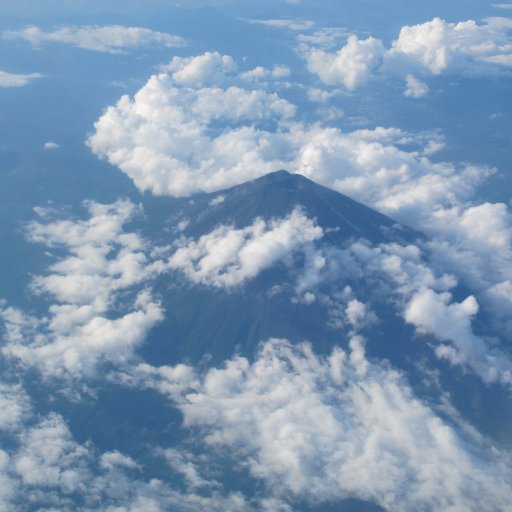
{"x": 17, "y": 80}
{"x": 109, "y": 38}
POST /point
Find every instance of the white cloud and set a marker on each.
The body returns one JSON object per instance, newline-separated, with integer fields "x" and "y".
{"x": 109, "y": 38}
{"x": 209, "y": 68}
{"x": 431, "y": 48}
{"x": 400, "y": 276}
{"x": 415, "y": 88}
{"x": 228, "y": 257}
{"x": 435, "y": 313}
{"x": 189, "y": 154}
{"x": 47, "y": 468}
{"x": 49, "y": 457}
{"x": 17, "y": 80}
{"x": 51, "y": 145}
{"x": 295, "y": 25}
{"x": 8, "y": 485}
{"x": 438, "y": 45}
{"x": 376, "y": 441}
{"x": 81, "y": 330}
{"x": 502, "y": 6}
{"x": 14, "y": 406}
{"x": 260, "y": 73}
{"x": 351, "y": 66}
{"x": 326, "y": 38}
{"x": 321, "y": 95}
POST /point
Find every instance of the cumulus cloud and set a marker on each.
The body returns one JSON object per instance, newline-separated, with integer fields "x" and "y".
{"x": 81, "y": 329}
{"x": 17, "y": 80}
{"x": 436, "y": 313}
{"x": 351, "y": 66}
{"x": 376, "y": 441}
{"x": 227, "y": 256}
{"x": 415, "y": 88}
{"x": 438, "y": 45}
{"x": 109, "y": 38}
{"x": 189, "y": 154}
{"x": 431, "y": 48}
{"x": 209, "y": 68}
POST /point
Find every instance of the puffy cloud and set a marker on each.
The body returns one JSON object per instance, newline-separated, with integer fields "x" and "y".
{"x": 17, "y": 80}
{"x": 376, "y": 441}
{"x": 49, "y": 457}
{"x": 209, "y": 68}
{"x": 81, "y": 329}
{"x": 415, "y": 88}
{"x": 261, "y": 73}
{"x": 432, "y": 47}
{"x": 14, "y": 406}
{"x": 434, "y": 312}
{"x": 189, "y": 154}
{"x": 351, "y": 66}
{"x": 109, "y": 38}
{"x": 227, "y": 256}
{"x": 438, "y": 45}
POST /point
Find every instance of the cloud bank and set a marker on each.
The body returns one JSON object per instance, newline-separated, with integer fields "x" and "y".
{"x": 376, "y": 441}
{"x": 429, "y": 48}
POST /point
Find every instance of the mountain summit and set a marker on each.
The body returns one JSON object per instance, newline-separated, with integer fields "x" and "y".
{"x": 216, "y": 314}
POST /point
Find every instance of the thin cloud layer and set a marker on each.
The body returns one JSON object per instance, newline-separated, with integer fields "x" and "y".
{"x": 17, "y": 80}
{"x": 376, "y": 441}
{"x": 109, "y": 38}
